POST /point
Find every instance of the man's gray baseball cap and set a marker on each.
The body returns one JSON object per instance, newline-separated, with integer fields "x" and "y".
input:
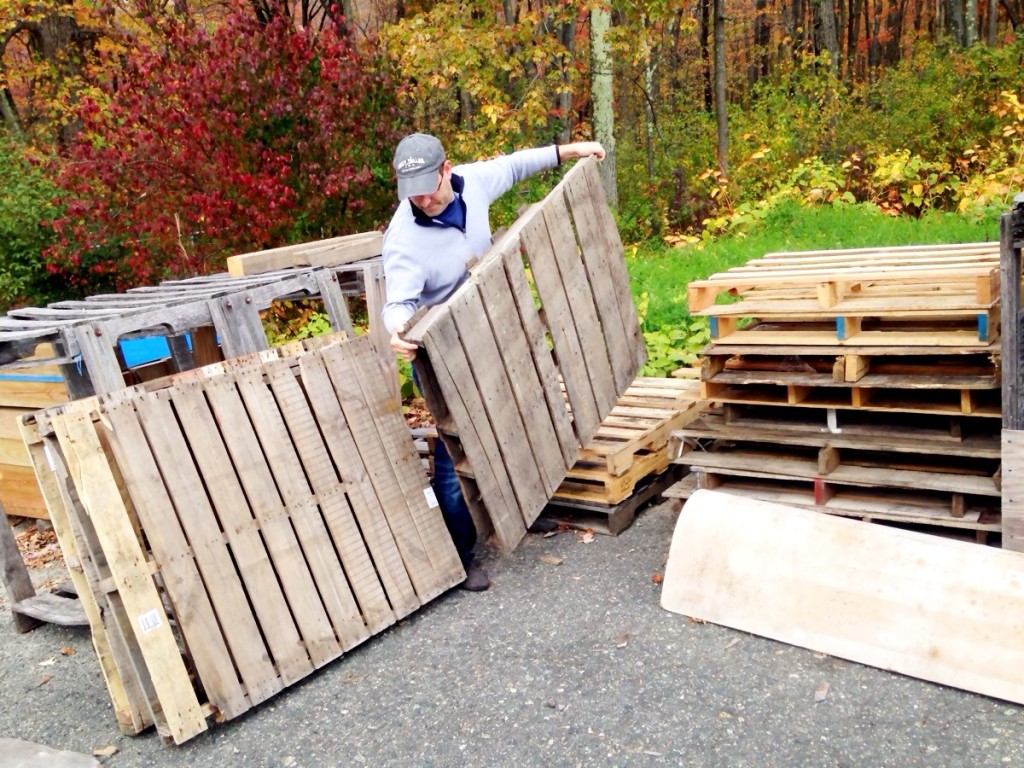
{"x": 417, "y": 159}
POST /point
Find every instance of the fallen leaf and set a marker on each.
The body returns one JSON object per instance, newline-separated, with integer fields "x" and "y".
{"x": 48, "y": 662}
{"x": 732, "y": 643}
{"x": 550, "y": 559}
{"x": 695, "y": 620}
{"x": 549, "y": 534}
{"x": 106, "y": 751}
{"x": 587, "y": 537}
{"x": 67, "y": 650}
{"x": 44, "y": 680}
{"x": 657, "y": 578}
{"x": 622, "y": 640}
{"x": 725, "y": 715}
{"x": 820, "y": 692}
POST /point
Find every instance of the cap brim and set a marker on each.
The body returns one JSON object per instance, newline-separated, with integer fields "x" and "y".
{"x": 421, "y": 184}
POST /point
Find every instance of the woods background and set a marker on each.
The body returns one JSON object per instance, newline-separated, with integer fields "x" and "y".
{"x": 145, "y": 140}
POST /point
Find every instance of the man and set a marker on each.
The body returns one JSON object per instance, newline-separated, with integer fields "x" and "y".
{"x": 441, "y": 222}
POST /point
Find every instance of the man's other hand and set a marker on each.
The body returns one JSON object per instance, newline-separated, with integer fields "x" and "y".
{"x": 581, "y": 149}
{"x": 402, "y": 347}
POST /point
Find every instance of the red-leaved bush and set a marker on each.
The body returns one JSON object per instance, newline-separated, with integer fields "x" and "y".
{"x": 223, "y": 142}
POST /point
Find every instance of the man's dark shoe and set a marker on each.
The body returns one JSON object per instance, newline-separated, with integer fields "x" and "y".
{"x": 477, "y": 579}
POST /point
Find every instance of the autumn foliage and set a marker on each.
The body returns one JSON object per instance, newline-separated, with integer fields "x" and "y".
{"x": 217, "y": 143}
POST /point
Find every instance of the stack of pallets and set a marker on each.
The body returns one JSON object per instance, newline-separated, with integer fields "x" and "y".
{"x": 857, "y": 382}
{"x": 625, "y": 464}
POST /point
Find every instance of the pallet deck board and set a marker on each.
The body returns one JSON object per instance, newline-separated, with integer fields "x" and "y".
{"x": 241, "y": 530}
{"x": 401, "y": 598}
{"x": 514, "y": 354}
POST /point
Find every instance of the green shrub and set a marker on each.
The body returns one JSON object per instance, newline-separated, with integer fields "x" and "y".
{"x": 25, "y": 204}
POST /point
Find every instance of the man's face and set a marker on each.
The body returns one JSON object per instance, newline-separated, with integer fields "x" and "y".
{"x": 434, "y": 203}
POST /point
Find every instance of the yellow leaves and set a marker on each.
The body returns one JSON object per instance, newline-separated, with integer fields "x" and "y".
{"x": 492, "y": 112}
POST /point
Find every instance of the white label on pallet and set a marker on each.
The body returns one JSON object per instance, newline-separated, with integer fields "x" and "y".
{"x": 430, "y": 496}
{"x": 149, "y": 620}
{"x": 49, "y": 456}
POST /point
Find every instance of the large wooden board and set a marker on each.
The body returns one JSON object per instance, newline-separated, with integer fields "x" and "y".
{"x": 945, "y": 611}
{"x": 548, "y": 304}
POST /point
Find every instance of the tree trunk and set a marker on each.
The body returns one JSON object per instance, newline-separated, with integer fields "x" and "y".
{"x": 970, "y": 23}
{"x": 955, "y": 18}
{"x": 721, "y": 113}
{"x": 826, "y": 11}
{"x": 703, "y": 35}
{"x": 567, "y": 36}
{"x": 993, "y": 17}
{"x": 603, "y": 99}
{"x": 852, "y": 25}
{"x": 758, "y": 66}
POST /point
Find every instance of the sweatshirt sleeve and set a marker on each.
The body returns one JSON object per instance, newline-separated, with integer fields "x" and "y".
{"x": 499, "y": 175}
{"x": 404, "y": 286}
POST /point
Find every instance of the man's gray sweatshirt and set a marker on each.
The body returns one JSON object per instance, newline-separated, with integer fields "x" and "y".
{"x": 424, "y": 264}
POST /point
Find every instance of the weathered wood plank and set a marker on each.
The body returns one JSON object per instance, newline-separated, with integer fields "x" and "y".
{"x": 302, "y": 509}
{"x": 452, "y": 369}
{"x": 184, "y": 576}
{"x": 894, "y": 599}
{"x": 131, "y": 706}
{"x": 612, "y": 250}
{"x": 345, "y": 374}
{"x": 238, "y": 324}
{"x": 514, "y": 354}
{"x": 241, "y": 530}
{"x": 99, "y": 492}
{"x": 567, "y": 347}
{"x": 492, "y": 381}
{"x": 373, "y": 523}
{"x": 331, "y": 492}
{"x": 250, "y": 464}
{"x": 537, "y": 340}
{"x": 582, "y": 306}
{"x": 393, "y": 434}
{"x": 618, "y": 316}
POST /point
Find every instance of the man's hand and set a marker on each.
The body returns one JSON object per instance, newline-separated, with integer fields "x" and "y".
{"x": 402, "y": 347}
{"x": 581, "y": 149}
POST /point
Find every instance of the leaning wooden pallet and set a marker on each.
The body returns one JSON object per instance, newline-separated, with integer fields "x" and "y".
{"x": 239, "y": 526}
{"x": 493, "y": 360}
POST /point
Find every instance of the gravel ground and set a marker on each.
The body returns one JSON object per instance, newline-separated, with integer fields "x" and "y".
{"x": 562, "y": 664}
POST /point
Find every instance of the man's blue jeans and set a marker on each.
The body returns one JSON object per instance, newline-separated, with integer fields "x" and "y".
{"x": 453, "y": 505}
{"x": 449, "y": 497}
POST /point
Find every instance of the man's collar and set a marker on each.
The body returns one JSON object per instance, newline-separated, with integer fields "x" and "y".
{"x": 458, "y": 184}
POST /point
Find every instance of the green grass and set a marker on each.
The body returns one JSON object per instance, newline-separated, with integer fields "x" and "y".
{"x": 659, "y": 273}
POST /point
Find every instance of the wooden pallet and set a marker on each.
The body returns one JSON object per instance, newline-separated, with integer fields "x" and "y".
{"x": 881, "y": 369}
{"x": 591, "y": 483}
{"x": 642, "y": 421}
{"x": 236, "y": 527}
{"x": 907, "y": 438}
{"x": 829, "y": 466}
{"x": 967, "y": 402}
{"x": 838, "y": 277}
{"x": 981, "y": 515}
{"x": 493, "y": 360}
{"x": 978, "y": 331}
{"x": 611, "y": 520}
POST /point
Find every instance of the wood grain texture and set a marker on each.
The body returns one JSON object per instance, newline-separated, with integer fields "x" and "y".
{"x": 895, "y": 599}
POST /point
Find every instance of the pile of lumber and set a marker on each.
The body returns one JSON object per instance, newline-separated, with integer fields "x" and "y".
{"x": 232, "y": 528}
{"x": 856, "y": 382}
